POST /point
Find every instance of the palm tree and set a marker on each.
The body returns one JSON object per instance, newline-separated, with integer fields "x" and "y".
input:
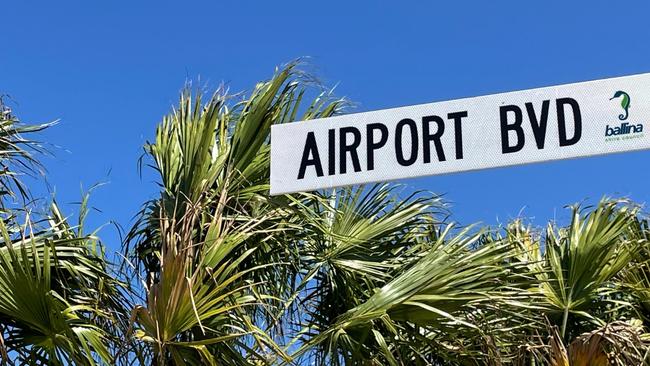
{"x": 59, "y": 303}
{"x": 17, "y": 153}
{"x": 352, "y": 276}
{"x": 215, "y": 271}
{"x": 354, "y": 241}
{"x": 581, "y": 277}
{"x": 583, "y": 259}
{"x": 214, "y": 246}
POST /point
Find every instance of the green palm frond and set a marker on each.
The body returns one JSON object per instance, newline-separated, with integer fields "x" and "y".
{"x": 213, "y": 159}
{"x": 584, "y": 258}
{"x": 218, "y": 156}
{"x": 353, "y": 242}
{"x": 17, "y": 153}
{"x": 218, "y": 272}
{"x": 433, "y": 297}
{"x": 58, "y": 303}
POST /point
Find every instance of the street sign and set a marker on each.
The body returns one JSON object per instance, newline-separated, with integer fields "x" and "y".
{"x": 551, "y": 123}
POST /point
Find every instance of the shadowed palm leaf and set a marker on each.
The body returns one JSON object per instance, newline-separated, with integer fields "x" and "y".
{"x": 58, "y": 305}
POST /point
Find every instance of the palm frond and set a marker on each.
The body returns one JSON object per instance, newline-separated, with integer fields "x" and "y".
{"x": 59, "y": 304}
{"x": 17, "y": 153}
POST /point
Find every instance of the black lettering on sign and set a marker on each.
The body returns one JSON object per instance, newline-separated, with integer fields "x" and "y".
{"x": 399, "y": 149}
{"x": 345, "y": 150}
{"x": 506, "y": 127}
{"x": 458, "y": 131}
{"x": 331, "y": 152}
{"x": 310, "y": 157}
{"x": 561, "y": 123}
{"x": 351, "y": 149}
{"x": 538, "y": 125}
{"x": 427, "y": 137}
{"x": 371, "y": 145}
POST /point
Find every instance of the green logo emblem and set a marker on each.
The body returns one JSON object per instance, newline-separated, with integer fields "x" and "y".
{"x": 625, "y": 103}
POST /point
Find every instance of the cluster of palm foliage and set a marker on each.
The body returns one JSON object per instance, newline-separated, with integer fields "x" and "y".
{"x": 215, "y": 271}
{"x": 59, "y": 302}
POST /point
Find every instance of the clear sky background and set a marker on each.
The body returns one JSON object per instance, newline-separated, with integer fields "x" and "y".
{"x": 110, "y": 70}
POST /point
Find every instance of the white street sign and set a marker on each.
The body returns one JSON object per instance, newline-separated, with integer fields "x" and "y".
{"x": 551, "y": 123}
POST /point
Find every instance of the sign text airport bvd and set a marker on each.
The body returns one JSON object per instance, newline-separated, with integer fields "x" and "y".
{"x": 551, "y": 123}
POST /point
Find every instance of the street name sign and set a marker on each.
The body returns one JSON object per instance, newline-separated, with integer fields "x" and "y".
{"x": 551, "y": 123}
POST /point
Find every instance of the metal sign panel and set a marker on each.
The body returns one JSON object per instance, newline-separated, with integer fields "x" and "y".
{"x": 551, "y": 123}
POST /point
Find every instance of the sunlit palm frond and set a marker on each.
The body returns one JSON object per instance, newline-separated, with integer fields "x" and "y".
{"x": 584, "y": 258}
{"x": 213, "y": 161}
{"x": 16, "y": 153}
{"x": 196, "y": 308}
{"x": 58, "y": 303}
{"x": 217, "y": 155}
{"x": 353, "y": 242}
{"x": 433, "y": 298}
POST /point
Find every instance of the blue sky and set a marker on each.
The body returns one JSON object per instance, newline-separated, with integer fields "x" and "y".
{"x": 110, "y": 70}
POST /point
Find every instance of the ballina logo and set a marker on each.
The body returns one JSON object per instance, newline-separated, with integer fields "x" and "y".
{"x": 625, "y": 103}
{"x": 625, "y": 128}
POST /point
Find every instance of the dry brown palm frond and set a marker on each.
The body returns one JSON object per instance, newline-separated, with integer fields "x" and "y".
{"x": 618, "y": 343}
